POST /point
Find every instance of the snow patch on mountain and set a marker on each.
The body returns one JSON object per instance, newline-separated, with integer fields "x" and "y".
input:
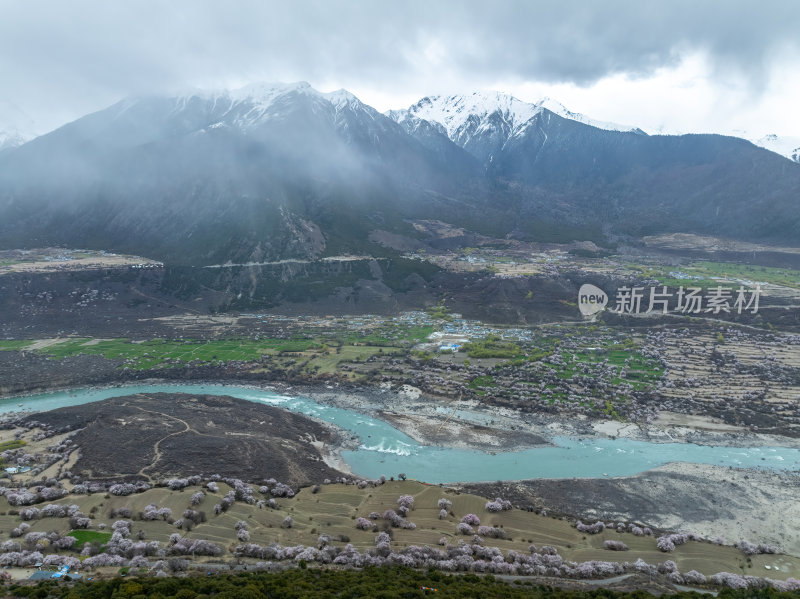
{"x": 460, "y": 115}
{"x": 254, "y": 103}
{"x": 262, "y": 95}
{"x": 785, "y": 145}
{"x": 16, "y": 127}
{"x": 453, "y": 112}
{"x": 559, "y": 109}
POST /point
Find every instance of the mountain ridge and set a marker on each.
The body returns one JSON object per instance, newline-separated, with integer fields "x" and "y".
{"x": 274, "y": 171}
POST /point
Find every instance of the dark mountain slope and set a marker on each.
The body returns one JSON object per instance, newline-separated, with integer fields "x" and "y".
{"x": 273, "y": 172}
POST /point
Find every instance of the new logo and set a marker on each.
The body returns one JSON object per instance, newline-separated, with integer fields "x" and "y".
{"x": 591, "y": 299}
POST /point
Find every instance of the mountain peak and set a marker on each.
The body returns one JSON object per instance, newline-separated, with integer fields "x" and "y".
{"x": 16, "y": 127}
{"x": 267, "y": 91}
{"x": 455, "y": 112}
{"x": 484, "y": 122}
{"x": 342, "y": 98}
{"x": 247, "y": 106}
{"x": 786, "y": 145}
{"x": 263, "y": 93}
{"x": 452, "y": 112}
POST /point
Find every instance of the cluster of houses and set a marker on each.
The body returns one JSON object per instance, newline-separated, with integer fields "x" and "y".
{"x": 62, "y": 572}
{"x": 17, "y": 469}
{"x": 449, "y": 338}
{"x": 459, "y": 331}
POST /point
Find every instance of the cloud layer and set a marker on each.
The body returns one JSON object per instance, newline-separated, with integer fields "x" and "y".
{"x": 59, "y": 60}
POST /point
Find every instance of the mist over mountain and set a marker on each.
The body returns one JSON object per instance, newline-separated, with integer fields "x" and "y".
{"x": 780, "y": 144}
{"x": 277, "y": 171}
{"x": 16, "y": 127}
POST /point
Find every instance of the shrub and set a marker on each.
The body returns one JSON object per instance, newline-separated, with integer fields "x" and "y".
{"x": 80, "y": 522}
{"x": 615, "y": 545}
{"x": 22, "y": 498}
{"x": 668, "y": 543}
{"x": 363, "y": 524}
{"x": 406, "y": 500}
{"x": 591, "y": 529}
{"x": 187, "y": 546}
{"x": 727, "y": 579}
{"x": 153, "y": 512}
{"x": 464, "y": 529}
{"x": 103, "y": 559}
{"x": 281, "y": 490}
{"x": 471, "y": 519}
{"x": 30, "y": 513}
{"x": 122, "y": 526}
{"x": 744, "y": 546}
{"x": 122, "y": 489}
{"x": 694, "y": 577}
{"x": 491, "y": 532}
{"x": 498, "y": 505}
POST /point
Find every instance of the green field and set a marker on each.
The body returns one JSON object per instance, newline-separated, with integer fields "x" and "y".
{"x": 764, "y": 274}
{"x": 482, "y": 381}
{"x": 707, "y": 274}
{"x": 89, "y": 536}
{"x": 328, "y": 362}
{"x": 492, "y": 347}
{"x": 167, "y": 353}
{"x": 12, "y": 444}
{"x": 154, "y": 353}
{"x": 14, "y": 344}
{"x": 334, "y": 508}
{"x": 642, "y": 373}
{"x": 387, "y": 336}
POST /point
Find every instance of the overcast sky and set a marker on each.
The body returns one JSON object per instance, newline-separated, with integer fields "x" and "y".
{"x": 673, "y": 65}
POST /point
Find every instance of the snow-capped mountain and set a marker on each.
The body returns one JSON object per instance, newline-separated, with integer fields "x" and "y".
{"x": 274, "y": 171}
{"x": 483, "y": 123}
{"x": 10, "y": 137}
{"x": 253, "y": 104}
{"x": 16, "y": 127}
{"x": 783, "y": 145}
{"x": 247, "y": 175}
{"x": 463, "y": 116}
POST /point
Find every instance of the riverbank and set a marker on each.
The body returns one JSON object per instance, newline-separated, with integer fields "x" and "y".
{"x": 492, "y": 447}
{"x": 714, "y": 502}
{"x": 435, "y": 420}
{"x": 671, "y": 496}
{"x": 467, "y": 424}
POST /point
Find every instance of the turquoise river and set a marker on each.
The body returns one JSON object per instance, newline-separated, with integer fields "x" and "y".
{"x": 384, "y": 450}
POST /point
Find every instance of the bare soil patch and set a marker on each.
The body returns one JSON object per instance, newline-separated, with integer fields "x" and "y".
{"x": 172, "y": 434}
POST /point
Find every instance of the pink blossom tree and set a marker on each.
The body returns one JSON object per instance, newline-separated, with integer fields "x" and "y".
{"x": 471, "y": 519}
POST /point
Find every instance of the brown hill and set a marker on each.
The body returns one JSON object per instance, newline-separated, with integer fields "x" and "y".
{"x": 152, "y": 436}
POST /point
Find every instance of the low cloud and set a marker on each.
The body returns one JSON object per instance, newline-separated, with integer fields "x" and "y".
{"x": 59, "y": 60}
